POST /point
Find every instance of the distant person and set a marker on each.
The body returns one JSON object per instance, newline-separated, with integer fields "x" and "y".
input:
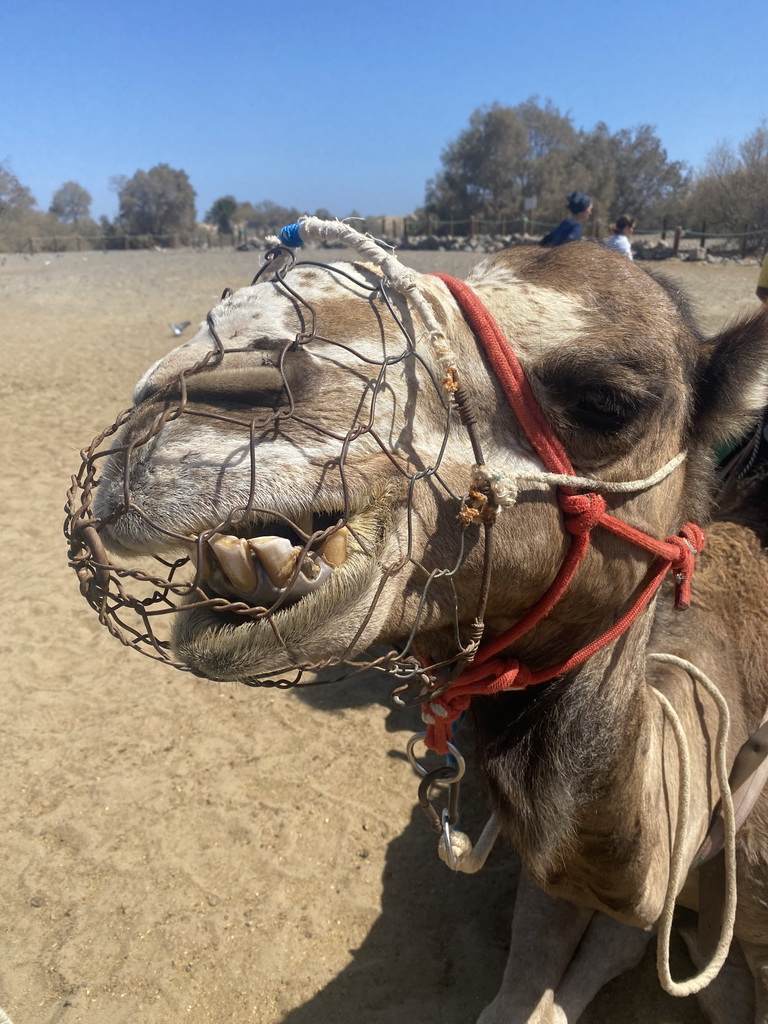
{"x": 579, "y": 206}
{"x": 622, "y": 232}
{"x": 762, "y": 281}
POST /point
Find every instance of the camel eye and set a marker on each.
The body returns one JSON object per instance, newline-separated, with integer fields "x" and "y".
{"x": 601, "y": 411}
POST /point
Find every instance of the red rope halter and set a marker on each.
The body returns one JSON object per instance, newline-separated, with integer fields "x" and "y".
{"x": 489, "y": 672}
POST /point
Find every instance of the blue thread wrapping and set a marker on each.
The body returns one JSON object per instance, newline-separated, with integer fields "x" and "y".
{"x": 289, "y": 235}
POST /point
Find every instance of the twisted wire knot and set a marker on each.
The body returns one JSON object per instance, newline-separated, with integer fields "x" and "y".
{"x": 582, "y": 511}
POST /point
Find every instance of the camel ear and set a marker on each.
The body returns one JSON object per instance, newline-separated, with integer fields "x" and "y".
{"x": 733, "y": 382}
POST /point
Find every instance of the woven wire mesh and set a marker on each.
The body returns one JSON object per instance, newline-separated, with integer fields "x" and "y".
{"x": 138, "y": 601}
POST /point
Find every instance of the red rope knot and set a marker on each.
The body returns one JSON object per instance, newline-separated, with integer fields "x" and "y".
{"x": 582, "y": 511}
{"x": 689, "y": 543}
{"x": 491, "y": 677}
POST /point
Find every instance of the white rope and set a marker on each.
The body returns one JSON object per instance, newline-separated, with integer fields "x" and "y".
{"x": 463, "y": 856}
{"x": 505, "y": 482}
{"x": 677, "y": 866}
{"x": 401, "y": 278}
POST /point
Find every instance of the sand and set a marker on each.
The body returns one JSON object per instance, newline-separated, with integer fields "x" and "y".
{"x": 179, "y": 850}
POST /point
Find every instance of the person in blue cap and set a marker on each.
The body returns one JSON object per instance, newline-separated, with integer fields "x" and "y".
{"x": 579, "y": 206}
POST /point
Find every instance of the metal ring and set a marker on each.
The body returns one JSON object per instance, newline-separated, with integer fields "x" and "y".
{"x": 454, "y": 752}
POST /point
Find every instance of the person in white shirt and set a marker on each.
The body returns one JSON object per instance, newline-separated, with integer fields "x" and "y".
{"x": 622, "y": 232}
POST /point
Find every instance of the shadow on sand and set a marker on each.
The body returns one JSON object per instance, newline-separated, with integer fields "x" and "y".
{"x": 438, "y": 949}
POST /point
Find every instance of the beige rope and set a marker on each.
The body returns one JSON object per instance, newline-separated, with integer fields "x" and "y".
{"x": 401, "y": 278}
{"x": 463, "y": 856}
{"x": 677, "y": 865}
{"x": 504, "y": 482}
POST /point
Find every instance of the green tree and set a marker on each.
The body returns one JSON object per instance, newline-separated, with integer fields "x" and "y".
{"x": 479, "y": 174}
{"x": 158, "y": 202}
{"x": 71, "y": 203}
{"x": 647, "y": 182}
{"x": 222, "y": 213}
{"x": 532, "y": 149}
{"x": 506, "y": 154}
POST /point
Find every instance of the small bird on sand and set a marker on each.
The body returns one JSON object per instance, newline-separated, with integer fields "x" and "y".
{"x": 179, "y": 328}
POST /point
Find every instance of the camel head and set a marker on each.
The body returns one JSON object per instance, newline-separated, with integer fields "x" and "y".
{"x": 301, "y": 474}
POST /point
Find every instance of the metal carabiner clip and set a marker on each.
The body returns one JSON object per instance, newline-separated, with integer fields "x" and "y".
{"x": 450, "y": 774}
{"x": 459, "y": 765}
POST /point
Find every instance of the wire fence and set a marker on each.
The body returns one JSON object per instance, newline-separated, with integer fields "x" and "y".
{"x": 405, "y": 231}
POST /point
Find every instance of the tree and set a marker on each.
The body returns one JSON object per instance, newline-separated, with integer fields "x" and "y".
{"x": 14, "y": 197}
{"x": 532, "y": 149}
{"x": 647, "y": 182}
{"x": 506, "y": 154}
{"x": 479, "y": 174}
{"x": 71, "y": 203}
{"x": 266, "y": 216}
{"x": 221, "y": 214}
{"x": 160, "y": 201}
{"x": 732, "y": 189}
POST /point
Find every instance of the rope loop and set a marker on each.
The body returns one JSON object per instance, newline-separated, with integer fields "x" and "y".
{"x": 582, "y": 511}
{"x": 494, "y": 676}
{"x": 689, "y": 543}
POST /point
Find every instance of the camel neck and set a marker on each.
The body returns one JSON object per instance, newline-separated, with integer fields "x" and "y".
{"x": 562, "y": 760}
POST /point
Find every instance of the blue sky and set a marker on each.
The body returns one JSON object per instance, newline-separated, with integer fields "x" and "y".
{"x": 348, "y": 105}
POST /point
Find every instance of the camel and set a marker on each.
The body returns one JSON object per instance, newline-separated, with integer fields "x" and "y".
{"x": 339, "y": 468}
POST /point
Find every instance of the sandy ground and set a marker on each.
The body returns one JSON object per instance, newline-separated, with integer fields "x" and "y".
{"x": 175, "y": 850}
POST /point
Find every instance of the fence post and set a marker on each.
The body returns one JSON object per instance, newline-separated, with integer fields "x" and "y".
{"x": 676, "y": 242}
{"x": 703, "y": 242}
{"x": 472, "y": 227}
{"x": 744, "y": 241}
{"x": 664, "y": 229}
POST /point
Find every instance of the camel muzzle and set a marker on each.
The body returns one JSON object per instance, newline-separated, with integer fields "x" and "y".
{"x": 252, "y": 562}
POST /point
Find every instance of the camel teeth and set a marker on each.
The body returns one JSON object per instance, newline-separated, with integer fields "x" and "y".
{"x": 310, "y": 569}
{"x": 200, "y": 557}
{"x": 277, "y": 555}
{"x": 305, "y": 523}
{"x": 333, "y": 551}
{"x": 234, "y": 558}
